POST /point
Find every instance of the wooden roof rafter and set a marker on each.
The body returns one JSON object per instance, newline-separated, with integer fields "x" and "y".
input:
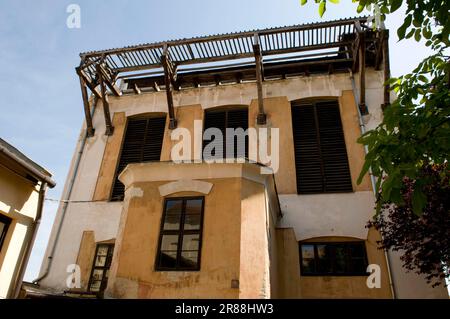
{"x": 169, "y": 56}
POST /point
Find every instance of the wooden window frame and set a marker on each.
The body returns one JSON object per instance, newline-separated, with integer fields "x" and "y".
{"x": 109, "y": 256}
{"x": 180, "y": 233}
{"x": 313, "y": 103}
{"x": 7, "y": 222}
{"x": 348, "y": 259}
{"x": 226, "y": 110}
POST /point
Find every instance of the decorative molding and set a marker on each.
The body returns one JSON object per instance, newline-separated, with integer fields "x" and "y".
{"x": 185, "y": 185}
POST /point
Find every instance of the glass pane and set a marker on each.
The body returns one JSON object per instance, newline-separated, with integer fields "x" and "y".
{"x": 308, "y": 266}
{"x": 192, "y": 221}
{"x": 359, "y": 265}
{"x": 307, "y": 251}
{"x": 189, "y": 259}
{"x": 340, "y": 259}
{"x": 102, "y": 250}
{"x": 169, "y": 242}
{"x": 357, "y": 250}
{"x": 323, "y": 259}
{"x": 168, "y": 259}
{"x": 174, "y": 206}
{"x": 172, "y": 221}
{"x": 97, "y": 274}
{"x": 194, "y": 206}
{"x": 95, "y": 286}
{"x": 191, "y": 242}
{"x": 100, "y": 261}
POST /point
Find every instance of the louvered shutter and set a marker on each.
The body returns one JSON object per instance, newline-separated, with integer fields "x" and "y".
{"x": 223, "y": 119}
{"x": 320, "y": 153}
{"x": 334, "y": 152}
{"x": 142, "y": 143}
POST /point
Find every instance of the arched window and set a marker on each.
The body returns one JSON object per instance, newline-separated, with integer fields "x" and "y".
{"x": 330, "y": 258}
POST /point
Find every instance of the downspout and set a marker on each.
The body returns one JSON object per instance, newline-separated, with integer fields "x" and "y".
{"x": 34, "y": 230}
{"x": 65, "y": 202}
{"x": 373, "y": 182}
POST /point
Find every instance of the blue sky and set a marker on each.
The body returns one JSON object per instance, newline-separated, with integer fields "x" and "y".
{"x": 40, "y": 102}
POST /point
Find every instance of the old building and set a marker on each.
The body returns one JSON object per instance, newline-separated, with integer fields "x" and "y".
{"x": 23, "y": 184}
{"x": 139, "y": 223}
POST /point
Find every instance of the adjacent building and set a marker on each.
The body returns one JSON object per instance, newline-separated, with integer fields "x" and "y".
{"x": 23, "y": 184}
{"x": 138, "y": 221}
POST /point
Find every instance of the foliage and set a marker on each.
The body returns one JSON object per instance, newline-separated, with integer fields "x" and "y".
{"x": 412, "y": 142}
{"x": 424, "y": 240}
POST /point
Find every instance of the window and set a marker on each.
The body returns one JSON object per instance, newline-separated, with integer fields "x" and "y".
{"x": 100, "y": 268}
{"x": 4, "y": 225}
{"x": 223, "y": 119}
{"x": 142, "y": 143}
{"x": 333, "y": 259}
{"x": 181, "y": 234}
{"x": 320, "y": 154}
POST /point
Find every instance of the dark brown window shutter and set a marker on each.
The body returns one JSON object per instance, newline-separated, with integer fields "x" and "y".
{"x": 320, "y": 153}
{"x": 222, "y": 119}
{"x": 142, "y": 143}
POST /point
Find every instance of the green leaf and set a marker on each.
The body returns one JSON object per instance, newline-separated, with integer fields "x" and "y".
{"x": 417, "y": 35}
{"x": 334, "y": 1}
{"x": 395, "y": 4}
{"x": 364, "y": 171}
{"x": 410, "y": 34}
{"x": 422, "y": 78}
{"x": 360, "y": 8}
{"x": 303, "y": 2}
{"x": 322, "y": 8}
{"x": 402, "y": 30}
{"x": 419, "y": 201}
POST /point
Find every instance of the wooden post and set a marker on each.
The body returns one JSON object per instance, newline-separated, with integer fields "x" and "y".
{"x": 87, "y": 110}
{"x": 167, "y": 82}
{"x": 362, "y": 74}
{"x": 109, "y": 127}
{"x": 261, "y": 118}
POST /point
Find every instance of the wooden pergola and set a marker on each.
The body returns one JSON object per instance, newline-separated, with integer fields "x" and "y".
{"x": 268, "y": 52}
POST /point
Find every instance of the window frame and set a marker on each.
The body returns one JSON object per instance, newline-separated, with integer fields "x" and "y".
{"x": 334, "y": 273}
{"x": 180, "y": 233}
{"x": 103, "y": 282}
{"x": 7, "y": 221}
{"x": 227, "y": 110}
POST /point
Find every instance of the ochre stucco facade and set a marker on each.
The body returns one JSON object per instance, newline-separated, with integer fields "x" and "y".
{"x": 251, "y": 229}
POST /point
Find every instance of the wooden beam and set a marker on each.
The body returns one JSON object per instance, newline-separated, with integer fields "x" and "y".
{"x": 167, "y": 82}
{"x": 87, "y": 81}
{"x": 110, "y": 82}
{"x": 136, "y": 89}
{"x": 109, "y": 126}
{"x": 355, "y": 50}
{"x": 379, "y": 50}
{"x": 362, "y": 75}
{"x": 87, "y": 110}
{"x": 261, "y": 118}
